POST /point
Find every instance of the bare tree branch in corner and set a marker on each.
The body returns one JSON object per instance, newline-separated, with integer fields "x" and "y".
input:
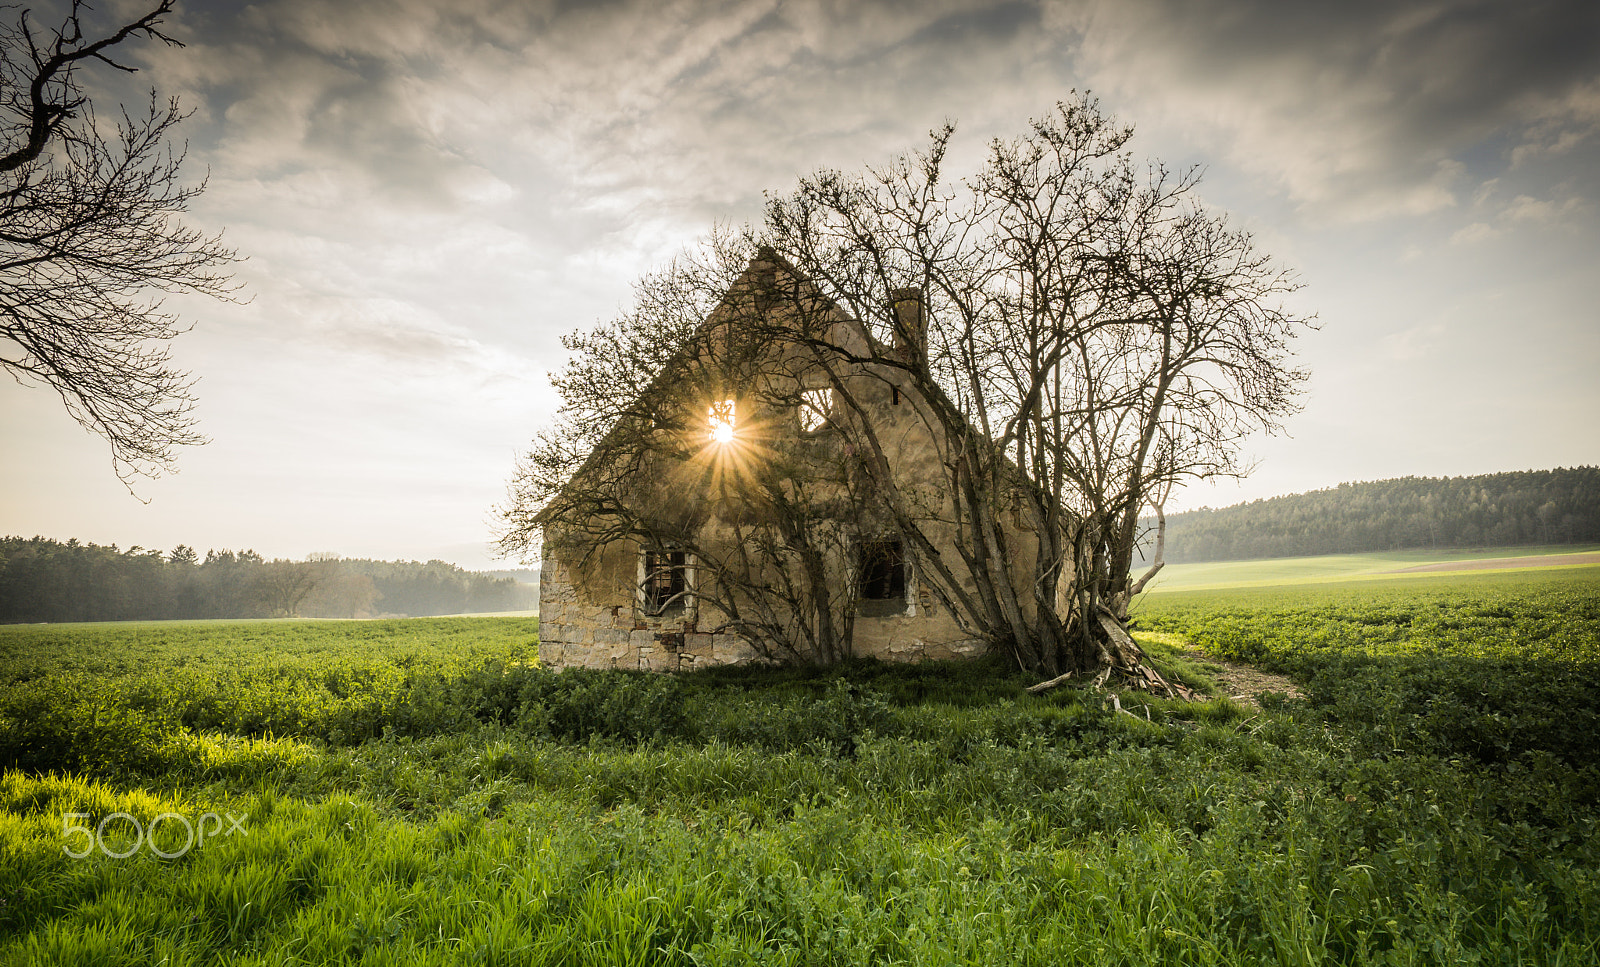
{"x": 90, "y": 243}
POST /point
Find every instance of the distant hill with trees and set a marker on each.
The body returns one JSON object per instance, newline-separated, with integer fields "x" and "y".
{"x": 524, "y": 575}
{"x": 47, "y": 580}
{"x": 1560, "y": 506}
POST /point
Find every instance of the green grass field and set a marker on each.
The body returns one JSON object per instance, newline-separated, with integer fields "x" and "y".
{"x": 1337, "y": 567}
{"x": 421, "y": 792}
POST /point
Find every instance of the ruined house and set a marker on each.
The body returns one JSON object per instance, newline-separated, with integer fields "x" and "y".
{"x": 726, "y": 519}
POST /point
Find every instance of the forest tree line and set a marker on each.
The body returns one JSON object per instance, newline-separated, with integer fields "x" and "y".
{"x": 47, "y": 580}
{"x": 1560, "y": 506}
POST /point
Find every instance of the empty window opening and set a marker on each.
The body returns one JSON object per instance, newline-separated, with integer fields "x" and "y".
{"x": 720, "y": 419}
{"x": 816, "y": 407}
{"x": 883, "y": 571}
{"x": 664, "y": 581}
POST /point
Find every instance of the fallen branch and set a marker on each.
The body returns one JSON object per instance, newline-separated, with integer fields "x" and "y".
{"x": 1043, "y": 687}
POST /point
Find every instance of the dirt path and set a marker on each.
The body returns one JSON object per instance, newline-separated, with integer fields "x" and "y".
{"x": 1243, "y": 683}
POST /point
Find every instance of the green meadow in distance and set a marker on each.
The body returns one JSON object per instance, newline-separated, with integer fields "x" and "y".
{"x": 1382, "y": 566}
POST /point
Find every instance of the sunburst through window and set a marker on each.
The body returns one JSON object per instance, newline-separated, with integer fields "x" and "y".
{"x": 721, "y": 419}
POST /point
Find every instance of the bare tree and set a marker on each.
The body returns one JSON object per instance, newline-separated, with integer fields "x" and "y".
{"x": 90, "y": 243}
{"x": 1094, "y": 337}
{"x": 1076, "y": 334}
{"x": 283, "y": 586}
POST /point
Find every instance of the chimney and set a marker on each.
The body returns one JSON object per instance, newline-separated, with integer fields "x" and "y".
{"x": 910, "y": 322}
{"x": 764, "y": 281}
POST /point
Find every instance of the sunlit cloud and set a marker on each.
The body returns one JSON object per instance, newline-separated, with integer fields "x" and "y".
{"x": 1476, "y": 232}
{"x": 1526, "y": 209}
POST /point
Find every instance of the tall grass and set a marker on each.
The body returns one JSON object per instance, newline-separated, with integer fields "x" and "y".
{"x": 867, "y": 815}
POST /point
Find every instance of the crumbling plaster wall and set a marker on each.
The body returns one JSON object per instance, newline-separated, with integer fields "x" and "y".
{"x": 593, "y": 622}
{"x": 589, "y": 618}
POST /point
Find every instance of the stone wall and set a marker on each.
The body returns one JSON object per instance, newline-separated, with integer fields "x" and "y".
{"x": 584, "y": 627}
{"x": 576, "y": 631}
{"x": 591, "y": 619}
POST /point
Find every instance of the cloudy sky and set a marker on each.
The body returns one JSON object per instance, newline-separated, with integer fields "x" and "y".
{"x": 430, "y": 194}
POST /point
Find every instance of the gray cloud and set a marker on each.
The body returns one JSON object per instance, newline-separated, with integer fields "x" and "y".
{"x": 688, "y": 109}
{"x": 431, "y": 193}
{"x": 1358, "y": 108}
{"x": 666, "y": 104}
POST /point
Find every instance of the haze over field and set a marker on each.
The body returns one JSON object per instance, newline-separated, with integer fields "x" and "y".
{"x": 429, "y": 198}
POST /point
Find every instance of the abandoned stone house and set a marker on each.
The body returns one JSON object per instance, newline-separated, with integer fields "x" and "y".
{"x": 608, "y": 600}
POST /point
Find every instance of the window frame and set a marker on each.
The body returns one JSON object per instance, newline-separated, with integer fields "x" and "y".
{"x": 678, "y": 600}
